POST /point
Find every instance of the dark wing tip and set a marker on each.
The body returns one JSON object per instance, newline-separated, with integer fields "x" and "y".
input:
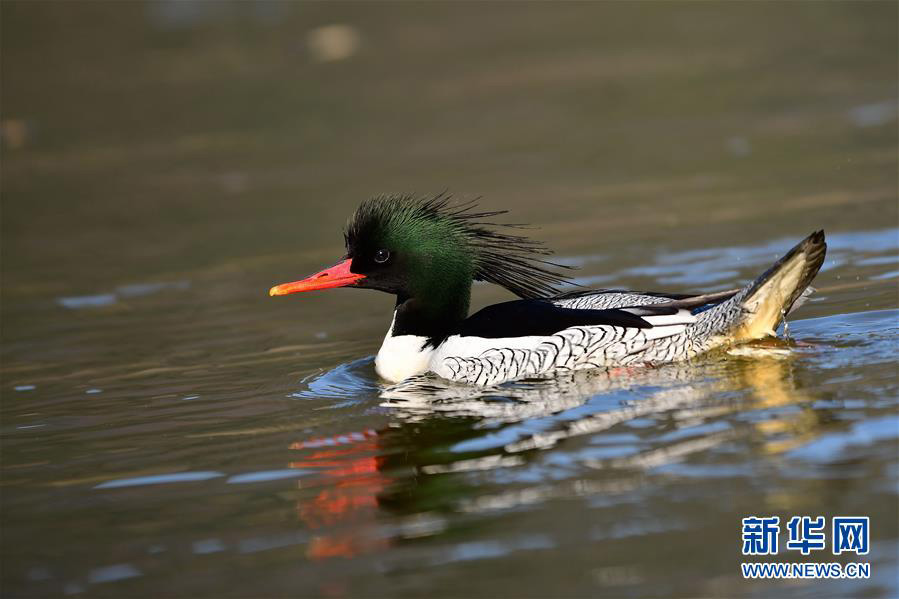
{"x": 815, "y": 248}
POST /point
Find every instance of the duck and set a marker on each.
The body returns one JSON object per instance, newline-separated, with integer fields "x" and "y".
{"x": 428, "y": 251}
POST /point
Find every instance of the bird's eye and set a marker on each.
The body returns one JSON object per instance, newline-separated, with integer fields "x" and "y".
{"x": 382, "y": 256}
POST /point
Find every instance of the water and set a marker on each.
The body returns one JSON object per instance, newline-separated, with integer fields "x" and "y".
{"x": 170, "y": 430}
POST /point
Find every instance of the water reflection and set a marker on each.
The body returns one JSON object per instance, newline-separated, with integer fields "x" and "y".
{"x": 638, "y": 420}
{"x": 343, "y": 511}
{"x": 689, "y": 394}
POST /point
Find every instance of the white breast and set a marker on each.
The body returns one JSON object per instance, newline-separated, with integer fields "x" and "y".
{"x": 402, "y": 356}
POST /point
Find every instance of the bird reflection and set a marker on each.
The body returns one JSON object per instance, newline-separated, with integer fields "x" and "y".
{"x": 687, "y": 392}
{"x": 439, "y": 429}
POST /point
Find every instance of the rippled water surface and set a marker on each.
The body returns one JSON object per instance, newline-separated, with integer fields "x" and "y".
{"x": 169, "y": 430}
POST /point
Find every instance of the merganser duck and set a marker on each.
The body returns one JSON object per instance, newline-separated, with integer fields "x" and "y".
{"x": 428, "y": 251}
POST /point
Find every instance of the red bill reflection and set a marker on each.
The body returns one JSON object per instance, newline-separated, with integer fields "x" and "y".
{"x": 343, "y": 515}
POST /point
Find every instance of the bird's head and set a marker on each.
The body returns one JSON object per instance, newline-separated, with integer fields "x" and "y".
{"x": 431, "y": 248}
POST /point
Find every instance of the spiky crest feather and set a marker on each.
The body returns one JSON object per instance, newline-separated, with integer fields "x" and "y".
{"x": 510, "y": 261}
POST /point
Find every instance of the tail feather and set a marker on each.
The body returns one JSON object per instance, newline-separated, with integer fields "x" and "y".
{"x": 780, "y": 289}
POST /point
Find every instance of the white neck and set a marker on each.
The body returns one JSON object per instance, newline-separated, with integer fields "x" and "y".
{"x": 402, "y": 356}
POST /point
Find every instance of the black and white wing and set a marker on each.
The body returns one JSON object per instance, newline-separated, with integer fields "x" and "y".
{"x": 533, "y": 338}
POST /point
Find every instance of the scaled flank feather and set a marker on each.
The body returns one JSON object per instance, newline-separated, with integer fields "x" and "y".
{"x": 511, "y": 261}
